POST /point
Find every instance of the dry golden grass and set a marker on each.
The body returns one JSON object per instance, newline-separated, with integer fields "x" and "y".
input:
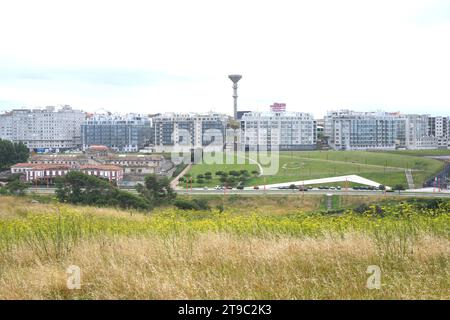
{"x": 177, "y": 255}
{"x": 223, "y": 266}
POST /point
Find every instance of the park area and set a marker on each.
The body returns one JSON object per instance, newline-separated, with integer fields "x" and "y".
{"x": 387, "y": 168}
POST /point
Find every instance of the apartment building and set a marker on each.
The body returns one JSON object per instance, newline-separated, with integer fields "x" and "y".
{"x": 185, "y": 131}
{"x": 49, "y": 128}
{"x": 280, "y": 130}
{"x": 417, "y": 132}
{"x": 350, "y": 130}
{"x": 127, "y": 133}
{"x": 439, "y": 128}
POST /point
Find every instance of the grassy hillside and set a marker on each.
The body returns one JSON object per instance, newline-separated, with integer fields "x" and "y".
{"x": 173, "y": 254}
{"x": 384, "y": 167}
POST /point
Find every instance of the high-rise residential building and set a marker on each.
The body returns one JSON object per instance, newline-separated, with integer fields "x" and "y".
{"x": 182, "y": 131}
{"x": 280, "y": 130}
{"x": 49, "y": 128}
{"x": 350, "y": 130}
{"x": 438, "y": 127}
{"x": 417, "y": 132}
{"x": 128, "y": 133}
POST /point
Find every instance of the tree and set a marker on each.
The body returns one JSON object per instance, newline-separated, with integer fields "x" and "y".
{"x": 234, "y": 173}
{"x": 80, "y": 188}
{"x": 16, "y": 187}
{"x": 12, "y": 153}
{"x": 399, "y": 187}
{"x": 157, "y": 190}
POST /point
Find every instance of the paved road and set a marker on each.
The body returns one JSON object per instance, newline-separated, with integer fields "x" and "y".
{"x": 288, "y": 192}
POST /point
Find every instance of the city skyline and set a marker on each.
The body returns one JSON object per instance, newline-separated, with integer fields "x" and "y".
{"x": 144, "y": 58}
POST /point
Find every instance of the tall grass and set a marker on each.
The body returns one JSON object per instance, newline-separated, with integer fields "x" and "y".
{"x": 199, "y": 255}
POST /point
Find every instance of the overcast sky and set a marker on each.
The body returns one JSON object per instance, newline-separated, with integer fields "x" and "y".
{"x": 175, "y": 55}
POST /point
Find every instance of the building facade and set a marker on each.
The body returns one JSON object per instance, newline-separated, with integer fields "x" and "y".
{"x": 280, "y": 130}
{"x": 49, "y": 128}
{"x": 349, "y": 130}
{"x": 45, "y": 173}
{"x": 439, "y": 128}
{"x": 121, "y": 133}
{"x": 184, "y": 131}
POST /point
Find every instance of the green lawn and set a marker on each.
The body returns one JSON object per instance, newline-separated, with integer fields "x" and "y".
{"x": 384, "y": 167}
{"x": 422, "y": 153}
{"x": 227, "y": 166}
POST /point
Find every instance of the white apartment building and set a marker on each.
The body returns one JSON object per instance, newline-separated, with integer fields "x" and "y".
{"x": 417, "y": 132}
{"x": 43, "y": 128}
{"x": 281, "y": 130}
{"x": 183, "y": 131}
{"x": 350, "y": 130}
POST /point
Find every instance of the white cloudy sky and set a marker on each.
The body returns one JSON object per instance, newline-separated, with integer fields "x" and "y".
{"x": 175, "y": 55}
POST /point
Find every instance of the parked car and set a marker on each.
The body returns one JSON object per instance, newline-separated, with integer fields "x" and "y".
{"x": 255, "y": 187}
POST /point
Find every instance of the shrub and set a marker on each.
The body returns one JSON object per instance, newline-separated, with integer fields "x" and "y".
{"x": 16, "y": 187}
{"x": 195, "y": 204}
{"x": 234, "y": 173}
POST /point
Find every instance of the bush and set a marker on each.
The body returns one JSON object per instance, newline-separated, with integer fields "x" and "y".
{"x": 219, "y": 173}
{"x": 3, "y": 191}
{"x": 399, "y": 187}
{"x": 200, "y": 176}
{"x": 16, "y": 187}
{"x": 234, "y": 173}
{"x": 195, "y": 204}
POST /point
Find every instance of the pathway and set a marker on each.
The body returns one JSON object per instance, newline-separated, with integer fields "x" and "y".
{"x": 409, "y": 178}
{"x": 174, "y": 182}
